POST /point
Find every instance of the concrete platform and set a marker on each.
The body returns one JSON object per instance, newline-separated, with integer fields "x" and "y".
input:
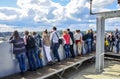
{"x": 57, "y": 68}
{"x": 87, "y": 71}
{"x": 112, "y": 53}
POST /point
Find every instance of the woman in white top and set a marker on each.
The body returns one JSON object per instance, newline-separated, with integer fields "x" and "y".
{"x": 46, "y": 44}
{"x": 78, "y": 41}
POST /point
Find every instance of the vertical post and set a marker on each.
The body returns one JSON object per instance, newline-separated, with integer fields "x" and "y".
{"x": 91, "y": 7}
{"x": 119, "y": 2}
{"x": 100, "y": 44}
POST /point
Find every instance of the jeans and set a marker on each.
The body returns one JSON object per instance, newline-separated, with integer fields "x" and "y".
{"x": 21, "y": 59}
{"x": 67, "y": 50}
{"x": 117, "y": 46}
{"x": 72, "y": 51}
{"x": 111, "y": 46}
{"x": 89, "y": 41}
{"x": 37, "y": 58}
{"x": 31, "y": 59}
{"x": 106, "y": 48}
{"x": 55, "y": 51}
{"x": 92, "y": 45}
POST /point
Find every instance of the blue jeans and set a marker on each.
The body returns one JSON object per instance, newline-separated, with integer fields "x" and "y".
{"x": 92, "y": 45}
{"x": 117, "y": 46}
{"x": 37, "y": 58}
{"x": 67, "y": 50}
{"x": 21, "y": 59}
{"x": 111, "y": 46}
{"x": 31, "y": 59}
{"x": 89, "y": 41}
{"x": 55, "y": 51}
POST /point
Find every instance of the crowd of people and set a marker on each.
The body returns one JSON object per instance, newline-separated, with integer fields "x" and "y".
{"x": 112, "y": 41}
{"x": 31, "y": 45}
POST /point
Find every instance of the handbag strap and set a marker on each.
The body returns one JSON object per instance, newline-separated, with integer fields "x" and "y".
{"x": 57, "y": 35}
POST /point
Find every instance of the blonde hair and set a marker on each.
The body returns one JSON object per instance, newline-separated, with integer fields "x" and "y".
{"x": 65, "y": 32}
{"x": 88, "y": 31}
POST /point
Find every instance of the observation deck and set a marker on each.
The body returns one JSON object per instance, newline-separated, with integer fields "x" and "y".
{"x": 78, "y": 67}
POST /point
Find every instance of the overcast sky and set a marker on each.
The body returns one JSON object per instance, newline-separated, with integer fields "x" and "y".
{"x": 38, "y": 15}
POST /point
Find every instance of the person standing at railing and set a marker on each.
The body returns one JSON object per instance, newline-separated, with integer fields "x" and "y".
{"x": 54, "y": 38}
{"x": 117, "y": 40}
{"x": 71, "y": 46}
{"x": 46, "y": 45}
{"x": 78, "y": 41}
{"x": 66, "y": 38}
{"x": 111, "y": 40}
{"x": 38, "y": 49}
{"x": 89, "y": 41}
{"x": 31, "y": 47}
{"x": 92, "y": 39}
{"x": 19, "y": 50}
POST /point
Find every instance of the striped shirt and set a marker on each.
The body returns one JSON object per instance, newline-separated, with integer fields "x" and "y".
{"x": 18, "y": 45}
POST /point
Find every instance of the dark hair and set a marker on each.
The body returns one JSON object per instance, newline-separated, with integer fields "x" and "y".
{"x": 46, "y": 31}
{"x": 68, "y": 29}
{"x": 77, "y": 31}
{"x": 34, "y": 33}
{"x": 54, "y": 28}
{"x": 26, "y": 32}
{"x": 16, "y": 34}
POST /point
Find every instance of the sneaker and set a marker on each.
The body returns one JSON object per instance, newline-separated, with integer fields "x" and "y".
{"x": 50, "y": 63}
{"x": 22, "y": 74}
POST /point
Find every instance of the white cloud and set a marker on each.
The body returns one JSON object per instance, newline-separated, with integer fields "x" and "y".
{"x": 46, "y": 12}
{"x": 5, "y": 17}
{"x": 73, "y": 7}
{"x": 43, "y": 9}
{"x": 9, "y": 14}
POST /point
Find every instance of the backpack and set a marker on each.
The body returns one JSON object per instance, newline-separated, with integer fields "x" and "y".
{"x": 30, "y": 42}
{"x": 38, "y": 41}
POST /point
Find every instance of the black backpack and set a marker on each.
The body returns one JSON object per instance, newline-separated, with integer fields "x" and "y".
{"x": 38, "y": 40}
{"x": 30, "y": 42}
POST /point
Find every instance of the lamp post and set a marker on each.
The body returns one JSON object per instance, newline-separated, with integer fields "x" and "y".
{"x": 91, "y": 7}
{"x": 119, "y": 2}
{"x": 100, "y": 28}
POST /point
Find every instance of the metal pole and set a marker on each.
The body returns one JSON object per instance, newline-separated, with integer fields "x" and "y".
{"x": 91, "y": 7}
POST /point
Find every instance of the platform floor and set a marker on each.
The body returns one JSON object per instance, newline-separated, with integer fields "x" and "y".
{"x": 85, "y": 71}
{"x": 111, "y": 71}
{"x": 51, "y": 70}
{"x": 112, "y": 53}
